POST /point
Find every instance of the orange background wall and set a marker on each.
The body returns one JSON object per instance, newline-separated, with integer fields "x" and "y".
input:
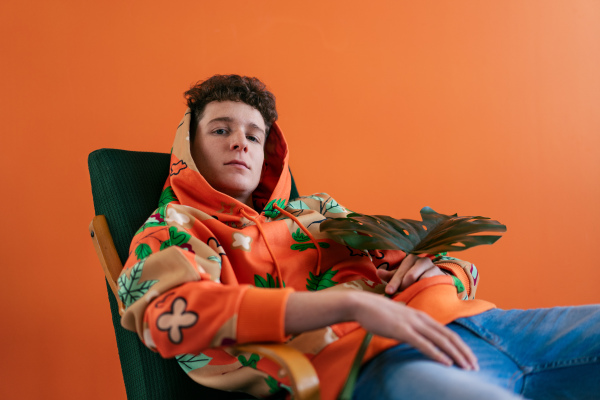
{"x": 476, "y": 107}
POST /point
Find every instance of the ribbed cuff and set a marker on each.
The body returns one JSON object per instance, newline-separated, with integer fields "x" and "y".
{"x": 458, "y": 272}
{"x": 261, "y": 316}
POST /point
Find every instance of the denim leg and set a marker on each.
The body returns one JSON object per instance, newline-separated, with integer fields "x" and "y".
{"x": 541, "y": 354}
{"x": 403, "y": 372}
{"x": 558, "y": 349}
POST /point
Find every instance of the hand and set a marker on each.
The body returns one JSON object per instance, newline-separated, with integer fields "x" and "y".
{"x": 412, "y": 269}
{"x": 306, "y": 311}
{"x": 385, "y": 317}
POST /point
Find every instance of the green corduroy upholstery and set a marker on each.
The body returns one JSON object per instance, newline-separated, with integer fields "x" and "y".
{"x": 126, "y": 186}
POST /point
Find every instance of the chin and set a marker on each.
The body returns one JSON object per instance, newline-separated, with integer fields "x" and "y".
{"x": 235, "y": 190}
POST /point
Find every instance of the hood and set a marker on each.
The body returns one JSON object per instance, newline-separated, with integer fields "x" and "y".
{"x": 191, "y": 189}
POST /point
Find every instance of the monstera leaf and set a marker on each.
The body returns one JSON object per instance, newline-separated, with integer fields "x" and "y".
{"x": 437, "y": 233}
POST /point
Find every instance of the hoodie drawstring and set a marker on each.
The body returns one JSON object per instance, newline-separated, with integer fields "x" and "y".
{"x": 310, "y": 236}
{"x": 262, "y": 233}
{"x": 293, "y": 218}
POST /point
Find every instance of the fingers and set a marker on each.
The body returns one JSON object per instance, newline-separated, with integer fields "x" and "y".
{"x": 420, "y": 267}
{"x": 394, "y": 320}
{"x": 411, "y": 269}
{"x": 442, "y": 344}
{"x": 452, "y": 345}
{"x": 431, "y": 272}
{"x": 426, "y": 347}
{"x": 396, "y": 280}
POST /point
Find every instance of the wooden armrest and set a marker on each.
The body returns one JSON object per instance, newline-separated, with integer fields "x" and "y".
{"x": 303, "y": 377}
{"x": 107, "y": 253}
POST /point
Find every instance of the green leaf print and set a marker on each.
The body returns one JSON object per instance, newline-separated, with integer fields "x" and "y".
{"x": 298, "y": 205}
{"x": 270, "y": 211}
{"x": 444, "y": 258}
{"x": 273, "y": 384}
{"x": 190, "y": 362}
{"x": 259, "y": 281}
{"x": 142, "y": 251}
{"x": 459, "y": 286}
{"x": 299, "y": 236}
{"x": 130, "y": 288}
{"x": 334, "y": 208}
{"x": 215, "y": 259}
{"x": 322, "y": 281}
{"x": 304, "y": 246}
{"x": 156, "y": 219}
{"x": 167, "y": 196}
{"x": 251, "y": 362}
{"x": 312, "y": 196}
{"x": 176, "y": 238}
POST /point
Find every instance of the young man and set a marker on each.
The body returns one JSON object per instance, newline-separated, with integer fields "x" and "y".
{"x": 228, "y": 258}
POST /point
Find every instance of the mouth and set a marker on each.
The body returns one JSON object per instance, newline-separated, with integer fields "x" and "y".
{"x": 238, "y": 163}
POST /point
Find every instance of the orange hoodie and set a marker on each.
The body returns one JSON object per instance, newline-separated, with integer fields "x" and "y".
{"x": 206, "y": 271}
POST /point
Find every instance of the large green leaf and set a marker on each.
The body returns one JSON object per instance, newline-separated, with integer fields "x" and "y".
{"x": 435, "y": 234}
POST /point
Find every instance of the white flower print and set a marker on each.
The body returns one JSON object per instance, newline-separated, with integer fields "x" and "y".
{"x": 240, "y": 240}
{"x": 178, "y": 218}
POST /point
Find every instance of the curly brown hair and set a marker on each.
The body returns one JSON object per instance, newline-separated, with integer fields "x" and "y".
{"x": 231, "y": 88}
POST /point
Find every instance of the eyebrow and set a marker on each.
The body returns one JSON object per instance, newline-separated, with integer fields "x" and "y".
{"x": 229, "y": 119}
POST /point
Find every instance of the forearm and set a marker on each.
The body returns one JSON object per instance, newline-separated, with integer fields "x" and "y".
{"x": 306, "y": 311}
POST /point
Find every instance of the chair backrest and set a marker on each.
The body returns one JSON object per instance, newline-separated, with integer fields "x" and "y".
{"x": 126, "y": 186}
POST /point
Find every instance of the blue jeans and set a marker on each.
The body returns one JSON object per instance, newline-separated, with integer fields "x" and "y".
{"x": 551, "y": 353}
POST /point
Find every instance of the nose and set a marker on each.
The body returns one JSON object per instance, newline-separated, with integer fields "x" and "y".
{"x": 239, "y": 141}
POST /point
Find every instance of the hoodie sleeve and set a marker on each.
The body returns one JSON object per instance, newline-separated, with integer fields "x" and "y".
{"x": 464, "y": 274}
{"x": 173, "y": 297}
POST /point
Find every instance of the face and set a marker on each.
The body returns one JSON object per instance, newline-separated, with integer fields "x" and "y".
{"x": 228, "y": 148}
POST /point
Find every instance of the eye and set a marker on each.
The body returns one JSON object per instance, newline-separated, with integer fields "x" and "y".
{"x": 220, "y": 131}
{"x": 252, "y": 138}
